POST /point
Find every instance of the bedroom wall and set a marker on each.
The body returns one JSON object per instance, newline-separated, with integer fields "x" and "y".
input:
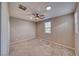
{"x": 62, "y": 30}
{"x": 0, "y": 28}
{"x": 5, "y": 30}
{"x": 21, "y": 30}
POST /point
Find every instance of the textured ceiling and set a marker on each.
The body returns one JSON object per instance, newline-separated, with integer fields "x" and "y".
{"x": 58, "y": 9}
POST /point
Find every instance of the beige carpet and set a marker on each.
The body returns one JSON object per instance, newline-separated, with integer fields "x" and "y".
{"x": 37, "y": 47}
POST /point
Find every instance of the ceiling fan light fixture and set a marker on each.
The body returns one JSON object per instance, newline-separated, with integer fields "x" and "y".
{"x": 31, "y": 17}
{"x": 48, "y": 8}
{"x": 37, "y": 18}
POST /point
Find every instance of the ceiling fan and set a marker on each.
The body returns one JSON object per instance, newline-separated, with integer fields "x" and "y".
{"x": 34, "y": 13}
{"x": 38, "y": 16}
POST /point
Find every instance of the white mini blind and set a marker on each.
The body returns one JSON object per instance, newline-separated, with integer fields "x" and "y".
{"x": 47, "y": 27}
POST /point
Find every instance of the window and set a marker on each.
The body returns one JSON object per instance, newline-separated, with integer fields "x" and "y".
{"x": 47, "y": 26}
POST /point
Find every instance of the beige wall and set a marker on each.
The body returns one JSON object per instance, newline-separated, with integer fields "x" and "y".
{"x": 62, "y": 30}
{"x": 5, "y": 40}
{"x": 21, "y": 30}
